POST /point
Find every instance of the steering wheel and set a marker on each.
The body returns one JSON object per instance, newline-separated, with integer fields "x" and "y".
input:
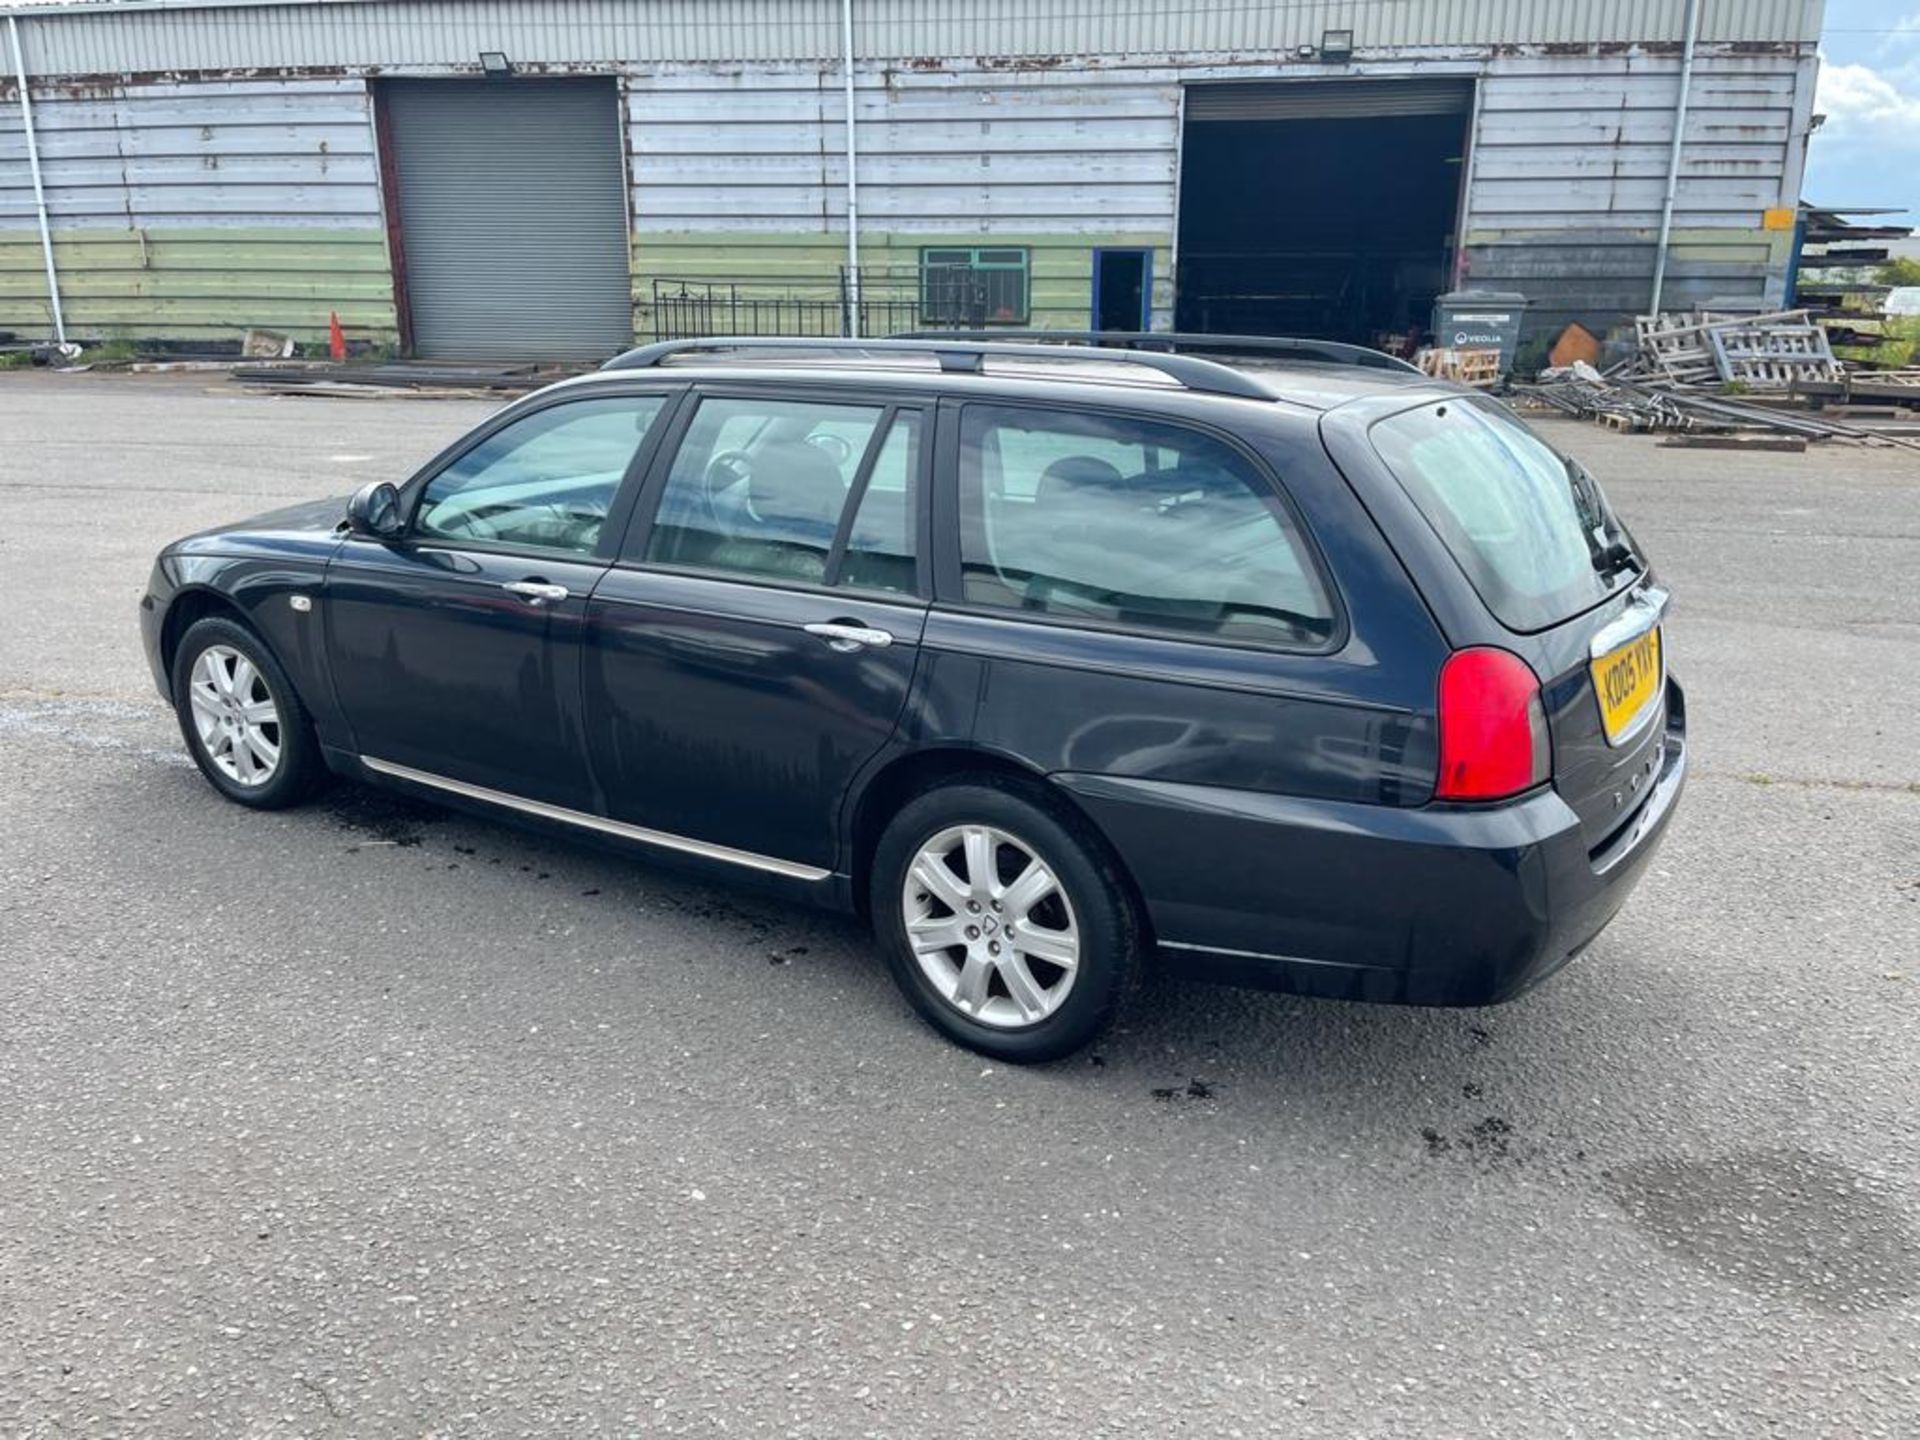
{"x": 835, "y": 446}
{"x": 724, "y": 470}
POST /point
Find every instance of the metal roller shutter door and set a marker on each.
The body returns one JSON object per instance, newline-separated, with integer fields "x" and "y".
{"x": 512, "y": 217}
{"x": 1327, "y": 99}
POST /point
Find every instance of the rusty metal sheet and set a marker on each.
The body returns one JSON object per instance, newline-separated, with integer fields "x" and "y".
{"x": 1013, "y": 34}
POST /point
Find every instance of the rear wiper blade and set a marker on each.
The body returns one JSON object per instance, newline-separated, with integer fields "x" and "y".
{"x": 1609, "y": 557}
{"x": 1612, "y": 559}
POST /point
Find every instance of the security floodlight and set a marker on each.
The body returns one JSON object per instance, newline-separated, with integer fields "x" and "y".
{"x": 1336, "y": 46}
{"x": 495, "y": 65}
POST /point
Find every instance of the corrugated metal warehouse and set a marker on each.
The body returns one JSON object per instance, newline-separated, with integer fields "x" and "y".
{"x": 545, "y": 178}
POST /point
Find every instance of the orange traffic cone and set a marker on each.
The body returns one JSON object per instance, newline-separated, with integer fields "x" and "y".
{"x": 336, "y": 338}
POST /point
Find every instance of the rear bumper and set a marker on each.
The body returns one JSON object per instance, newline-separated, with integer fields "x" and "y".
{"x": 1442, "y": 905}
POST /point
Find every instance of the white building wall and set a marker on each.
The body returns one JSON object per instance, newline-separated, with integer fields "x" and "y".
{"x": 234, "y": 153}
{"x": 1049, "y": 123}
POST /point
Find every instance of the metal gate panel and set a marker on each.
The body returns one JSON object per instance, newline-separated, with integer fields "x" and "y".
{"x": 512, "y": 217}
{"x": 1328, "y": 99}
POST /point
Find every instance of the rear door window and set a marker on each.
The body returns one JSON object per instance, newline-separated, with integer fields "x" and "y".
{"x": 1135, "y": 523}
{"x": 799, "y": 490}
{"x": 1530, "y": 528}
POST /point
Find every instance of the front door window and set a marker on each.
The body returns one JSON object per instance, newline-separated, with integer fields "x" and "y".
{"x": 546, "y": 482}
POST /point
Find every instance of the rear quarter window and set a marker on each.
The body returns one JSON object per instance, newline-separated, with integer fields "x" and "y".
{"x": 1128, "y": 522}
{"x": 1524, "y": 523}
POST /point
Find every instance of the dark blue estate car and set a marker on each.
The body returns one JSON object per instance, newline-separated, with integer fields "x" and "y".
{"x": 1320, "y": 676}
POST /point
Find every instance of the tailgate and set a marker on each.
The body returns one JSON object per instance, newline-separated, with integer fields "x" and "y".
{"x": 1606, "y": 710}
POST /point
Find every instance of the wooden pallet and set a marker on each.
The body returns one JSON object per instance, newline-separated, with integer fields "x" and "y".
{"x": 1478, "y": 367}
{"x": 1626, "y": 424}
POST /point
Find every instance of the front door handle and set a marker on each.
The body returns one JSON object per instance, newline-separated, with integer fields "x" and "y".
{"x": 847, "y": 638}
{"x": 536, "y": 592}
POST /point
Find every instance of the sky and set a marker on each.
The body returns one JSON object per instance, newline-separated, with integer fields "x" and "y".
{"x": 1867, "y": 152}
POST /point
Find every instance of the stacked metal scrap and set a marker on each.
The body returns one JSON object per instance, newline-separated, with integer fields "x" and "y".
{"x": 1865, "y": 387}
{"x": 1731, "y": 377}
{"x": 1629, "y": 404}
{"x": 1757, "y": 352}
{"x": 1580, "y": 390}
{"x": 1838, "y": 274}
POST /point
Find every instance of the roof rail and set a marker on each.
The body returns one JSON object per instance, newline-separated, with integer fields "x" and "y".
{"x": 965, "y": 355}
{"x": 1263, "y": 347}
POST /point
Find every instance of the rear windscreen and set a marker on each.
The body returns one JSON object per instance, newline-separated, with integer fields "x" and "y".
{"x": 1529, "y": 527}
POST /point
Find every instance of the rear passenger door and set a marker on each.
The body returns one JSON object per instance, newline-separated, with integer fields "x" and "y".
{"x": 753, "y": 646}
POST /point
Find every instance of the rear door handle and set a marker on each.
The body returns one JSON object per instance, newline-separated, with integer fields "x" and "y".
{"x": 847, "y": 638}
{"x": 536, "y": 592}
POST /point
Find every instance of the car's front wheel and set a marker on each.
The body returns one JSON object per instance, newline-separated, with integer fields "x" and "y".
{"x": 1007, "y": 925}
{"x": 243, "y": 723}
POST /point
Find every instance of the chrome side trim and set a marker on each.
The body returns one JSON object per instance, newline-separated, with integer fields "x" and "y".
{"x": 1263, "y": 955}
{"x": 600, "y": 823}
{"x": 1644, "y": 611}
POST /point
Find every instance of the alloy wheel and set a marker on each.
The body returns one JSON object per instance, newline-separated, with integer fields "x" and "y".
{"x": 235, "y": 716}
{"x": 991, "y": 926}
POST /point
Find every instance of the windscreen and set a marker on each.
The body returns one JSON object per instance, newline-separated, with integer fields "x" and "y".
{"x": 1528, "y": 526}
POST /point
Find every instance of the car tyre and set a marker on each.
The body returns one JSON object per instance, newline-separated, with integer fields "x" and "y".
{"x": 980, "y": 956}
{"x": 242, "y": 720}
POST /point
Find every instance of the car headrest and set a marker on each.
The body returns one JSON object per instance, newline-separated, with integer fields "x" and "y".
{"x": 795, "y": 491}
{"x": 1076, "y": 472}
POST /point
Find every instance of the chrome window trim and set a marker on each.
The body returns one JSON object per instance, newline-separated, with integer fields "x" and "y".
{"x": 620, "y": 828}
{"x": 1645, "y": 608}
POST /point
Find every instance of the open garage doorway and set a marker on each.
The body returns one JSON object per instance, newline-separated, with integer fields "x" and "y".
{"x": 1320, "y": 208}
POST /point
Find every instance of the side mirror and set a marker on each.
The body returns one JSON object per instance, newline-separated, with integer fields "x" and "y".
{"x": 374, "y": 511}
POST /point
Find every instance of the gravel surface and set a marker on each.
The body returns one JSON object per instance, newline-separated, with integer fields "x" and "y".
{"x": 368, "y": 1119}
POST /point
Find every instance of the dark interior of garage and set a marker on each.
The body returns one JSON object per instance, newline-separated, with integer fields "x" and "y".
{"x": 1339, "y": 227}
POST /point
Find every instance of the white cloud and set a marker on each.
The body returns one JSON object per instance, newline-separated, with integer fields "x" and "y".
{"x": 1868, "y": 106}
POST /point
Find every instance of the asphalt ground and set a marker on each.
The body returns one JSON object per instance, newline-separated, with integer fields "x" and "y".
{"x": 367, "y": 1119}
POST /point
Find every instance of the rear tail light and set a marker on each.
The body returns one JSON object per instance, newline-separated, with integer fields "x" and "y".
{"x": 1493, "y": 728}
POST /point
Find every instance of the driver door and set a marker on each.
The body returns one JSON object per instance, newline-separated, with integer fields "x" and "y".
{"x": 455, "y": 650}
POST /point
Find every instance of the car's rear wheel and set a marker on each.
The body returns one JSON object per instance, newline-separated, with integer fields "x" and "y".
{"x": 243, "y": 723}
{"x": 1008, "y": 926}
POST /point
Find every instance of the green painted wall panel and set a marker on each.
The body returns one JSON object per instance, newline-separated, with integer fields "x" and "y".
{"x": 214, "y": 283}
{"x": 207, "y": 283}
{"x": 1060, "y": 267}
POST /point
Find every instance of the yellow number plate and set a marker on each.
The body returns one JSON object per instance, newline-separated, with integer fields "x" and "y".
{"x": 1627, "y": 680}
